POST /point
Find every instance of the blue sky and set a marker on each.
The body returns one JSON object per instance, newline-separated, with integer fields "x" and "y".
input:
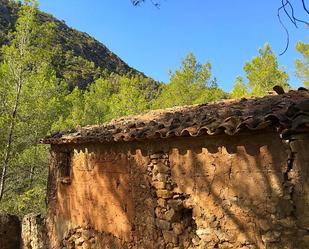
{"x": 227, "y": 33}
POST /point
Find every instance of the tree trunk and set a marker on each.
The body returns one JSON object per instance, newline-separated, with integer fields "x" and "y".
{"x": 10, "y": 138}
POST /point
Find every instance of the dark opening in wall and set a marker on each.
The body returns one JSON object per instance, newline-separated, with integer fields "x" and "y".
{"x": 64, "y": 167}
{"x": 187, "y": 217}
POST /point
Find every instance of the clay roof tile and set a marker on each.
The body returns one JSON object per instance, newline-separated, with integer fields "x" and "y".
{"x": 287, "y": 112}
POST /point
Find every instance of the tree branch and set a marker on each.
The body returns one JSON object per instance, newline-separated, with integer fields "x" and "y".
{"x": 138, "y": 2}
{"x": 292, "y": 18}
{"x": 286, "y": 30}
{"x": 283, "y": 5}
{"x": 304, "y": 6}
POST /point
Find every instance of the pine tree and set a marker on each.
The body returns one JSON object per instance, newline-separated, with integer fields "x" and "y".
{"x": 191, "y": 84}
{"x": 302, "y": 66}
{"x": 130, "y": 97}
{"x": 263, "y": 72}
{"x": 240, "y": 89}
{"x": 97, "y": 102}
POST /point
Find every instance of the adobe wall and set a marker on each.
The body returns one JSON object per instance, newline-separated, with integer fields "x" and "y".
{"x": 245, "y": 191}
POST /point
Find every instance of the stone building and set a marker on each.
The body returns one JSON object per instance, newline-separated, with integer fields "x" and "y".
{"x": 232, "y": 174}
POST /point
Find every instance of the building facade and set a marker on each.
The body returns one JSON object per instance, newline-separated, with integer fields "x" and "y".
{"x": 231, "y": 174}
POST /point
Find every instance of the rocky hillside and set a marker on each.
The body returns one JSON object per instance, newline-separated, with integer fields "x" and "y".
{"x": 82, "y": 57}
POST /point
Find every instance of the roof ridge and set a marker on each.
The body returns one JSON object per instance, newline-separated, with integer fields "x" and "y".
{"x": 228, "y": 116}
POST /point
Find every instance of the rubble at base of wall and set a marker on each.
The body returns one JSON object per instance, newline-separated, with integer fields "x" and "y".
{"x": 87, "y": 238}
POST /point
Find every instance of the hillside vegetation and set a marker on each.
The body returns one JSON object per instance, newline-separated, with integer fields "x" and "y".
{"x": 80, "y": 60}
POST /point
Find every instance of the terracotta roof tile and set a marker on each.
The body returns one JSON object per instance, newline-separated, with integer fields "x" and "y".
{"x": 287, "y": 112}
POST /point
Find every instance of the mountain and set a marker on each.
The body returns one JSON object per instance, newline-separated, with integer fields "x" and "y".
{"x": 82, "y": 58}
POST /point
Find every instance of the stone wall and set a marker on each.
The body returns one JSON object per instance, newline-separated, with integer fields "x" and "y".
{"x": 34, "y": 233}
{"x": 207, "y": 192}
{"x": 10, "y": 229}
{"x": 31, "y": 233}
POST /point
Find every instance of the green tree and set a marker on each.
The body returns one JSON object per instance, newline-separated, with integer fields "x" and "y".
{"x": 211, "y": 93}
{"x": 240, "y": 89}
{"x": 72, "y": 114}
{"x": 30, "y": 99}
{"x": 263, "y": 72}
{"x": 191, "y": 84}
{"x": 98, "y": 102}
{"x": 106, "y": 99}
{"x": 130, "y": 97}
{"x": 302, "y": 66}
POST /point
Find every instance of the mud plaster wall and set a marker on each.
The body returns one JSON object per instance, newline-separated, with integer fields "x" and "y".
{"x": 245, "y": 191}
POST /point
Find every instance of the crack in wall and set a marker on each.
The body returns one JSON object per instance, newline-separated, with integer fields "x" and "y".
{"x": 288, "y": 179}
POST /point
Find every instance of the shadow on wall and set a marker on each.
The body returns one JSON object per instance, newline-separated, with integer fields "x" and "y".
{"x": 240, "y": 190}
{"x": 107, "y": 192}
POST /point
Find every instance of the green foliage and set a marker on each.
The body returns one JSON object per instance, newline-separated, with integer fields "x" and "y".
{"x": 30, "y": 102}
{"x": 72, "y": 113}
{"x": 26, "y": 188}
{"x": 85, "y": 107}
{"x": 80, "y": 58}
{"x": 130, "y": 97}
{"x": 78, "y": 71}
{"x": 97, "y": 102}
{"x": 263, "y": 72}
{"x": 29, "y": 201}
{"x": 29, "y": 64}
{"x": 240, "y": 89}
{"x": 191, "y": 84}
{"x": 302, "y": 66}
{"x": 104, "y": 100}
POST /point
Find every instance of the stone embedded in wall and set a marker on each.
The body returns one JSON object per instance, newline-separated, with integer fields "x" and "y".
{"x": 80, "y": 238}
{"x": 233, "y": 219}
{"x": 10, "y": 231}
{"x": 88, "y": 238}
{"x": 173, "y": 218}
{"x": 34, "y": 232}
